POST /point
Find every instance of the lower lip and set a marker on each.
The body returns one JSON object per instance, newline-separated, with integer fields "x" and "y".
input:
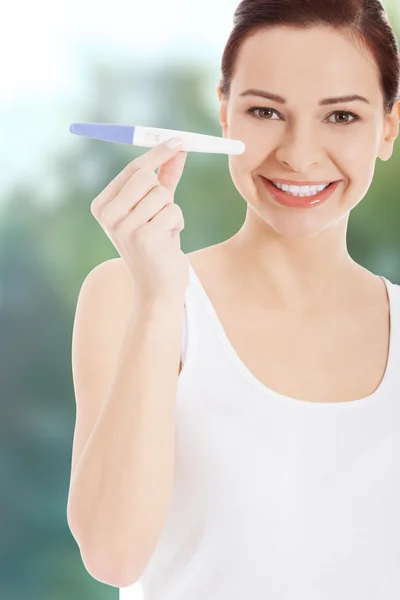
{"x": 297, "y": 202}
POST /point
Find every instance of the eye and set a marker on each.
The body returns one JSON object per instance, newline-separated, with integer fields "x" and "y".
{"x": 355, "y": 117}
{"x": 345, "y": 112}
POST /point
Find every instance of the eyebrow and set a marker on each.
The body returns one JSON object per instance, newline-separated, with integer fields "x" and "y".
{"x": 281, "y": 100}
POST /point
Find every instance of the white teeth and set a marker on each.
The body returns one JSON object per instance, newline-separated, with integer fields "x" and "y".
{"x": 296, "y": 190}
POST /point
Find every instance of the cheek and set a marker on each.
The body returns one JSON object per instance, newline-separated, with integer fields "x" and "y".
{"x": 357, "y": 161}
{"x": 241, "y": 168}
{"x": 244, "y": 164}
{"x": 354, "y": 151}
{"x": 235, "y": 166}
{"x": 242, "y": 176}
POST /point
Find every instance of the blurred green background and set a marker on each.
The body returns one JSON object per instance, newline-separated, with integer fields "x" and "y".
{"x": 102, "y": 72}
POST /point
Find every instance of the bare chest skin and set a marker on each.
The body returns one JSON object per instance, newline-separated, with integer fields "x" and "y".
{"x": 335, "y": 359}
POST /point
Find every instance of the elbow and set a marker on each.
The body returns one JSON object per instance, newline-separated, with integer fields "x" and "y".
{"x": 114, "y": 572}
{"x": 110, "y": 577}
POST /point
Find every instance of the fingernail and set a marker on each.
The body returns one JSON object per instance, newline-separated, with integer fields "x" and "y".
{"x": 174, "y": 142}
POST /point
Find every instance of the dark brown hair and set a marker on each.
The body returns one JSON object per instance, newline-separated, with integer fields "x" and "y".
{"x": 364, "y": 21}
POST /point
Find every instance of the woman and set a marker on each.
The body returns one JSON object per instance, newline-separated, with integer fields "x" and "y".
{"x": 272, "y": 470}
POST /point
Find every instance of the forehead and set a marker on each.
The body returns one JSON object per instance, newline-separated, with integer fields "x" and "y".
{"x": 316, "y": 58}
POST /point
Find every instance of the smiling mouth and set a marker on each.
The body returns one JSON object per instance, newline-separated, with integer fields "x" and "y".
{"x": 327, "y": 185}
{"x": 301, "y": 200}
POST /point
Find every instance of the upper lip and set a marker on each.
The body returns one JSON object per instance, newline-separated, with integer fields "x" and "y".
{"x": 289, "y": 182}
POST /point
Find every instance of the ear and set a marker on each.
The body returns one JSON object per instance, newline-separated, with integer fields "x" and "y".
{"x": 391, "y": 132}
{"x": 223, "y": 112}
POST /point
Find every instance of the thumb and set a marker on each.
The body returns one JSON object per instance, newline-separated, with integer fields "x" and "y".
{"x": 170, "y": 172}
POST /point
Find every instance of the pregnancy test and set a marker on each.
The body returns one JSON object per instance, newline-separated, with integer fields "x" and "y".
{"x": 148, "y": 137}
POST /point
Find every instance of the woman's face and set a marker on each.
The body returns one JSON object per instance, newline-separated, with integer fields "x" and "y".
{"x": 302, "y": 140}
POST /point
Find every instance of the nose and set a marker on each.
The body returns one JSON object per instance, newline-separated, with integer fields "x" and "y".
{"x": 304, "y": 168}
{"x": 300, "y": 151}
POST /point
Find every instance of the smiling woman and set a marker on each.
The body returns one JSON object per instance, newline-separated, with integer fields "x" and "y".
{"x": 273, "y": 469}
{"x": 287, "y": 460}
{"x": 330, "y": 72}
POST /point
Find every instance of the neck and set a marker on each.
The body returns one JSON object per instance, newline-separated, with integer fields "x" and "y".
{"x": 291, "y": 278}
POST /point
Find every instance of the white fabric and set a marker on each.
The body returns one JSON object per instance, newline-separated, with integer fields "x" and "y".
{"x": 276, "y": 498}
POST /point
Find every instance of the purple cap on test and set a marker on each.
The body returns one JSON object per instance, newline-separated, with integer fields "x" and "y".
{"x": 108, "y": 132}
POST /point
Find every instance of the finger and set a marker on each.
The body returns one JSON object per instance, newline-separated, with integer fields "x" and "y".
{"x": 150, "y": 160}
{"x": 171, "y": 171}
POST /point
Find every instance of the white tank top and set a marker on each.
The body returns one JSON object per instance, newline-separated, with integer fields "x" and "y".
{"x": 276, "y": 498}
